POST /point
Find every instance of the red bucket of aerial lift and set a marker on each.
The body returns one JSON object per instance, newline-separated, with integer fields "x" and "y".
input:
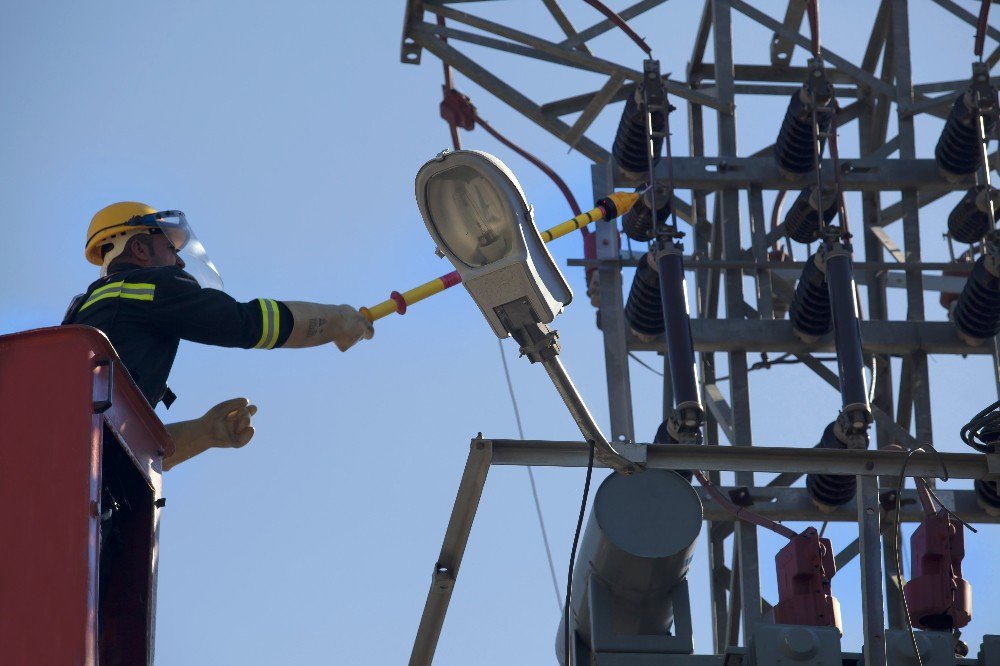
{"x": 805, "y": 567}
{"x": 938, "y": 597}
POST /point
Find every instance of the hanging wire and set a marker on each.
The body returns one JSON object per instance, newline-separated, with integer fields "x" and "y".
{"x": 572, "y": 554}
{"x": 620, "y": 22}
{"x": 644, "y": 364}
{"x": 531, "y": 478}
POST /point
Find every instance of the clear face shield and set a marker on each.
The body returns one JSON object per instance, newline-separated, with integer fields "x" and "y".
{"x": 173, "y": 225}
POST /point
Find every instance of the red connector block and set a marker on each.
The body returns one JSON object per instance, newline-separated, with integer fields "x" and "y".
{"x": 805, "y": 567}
{"x": 939, "y": 599}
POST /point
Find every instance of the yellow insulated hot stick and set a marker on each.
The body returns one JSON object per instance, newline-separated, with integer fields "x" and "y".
{"x": 610, "y": 207}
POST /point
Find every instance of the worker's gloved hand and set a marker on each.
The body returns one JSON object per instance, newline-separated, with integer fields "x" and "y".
{"x": 228, "y": 423}
{"x": 349, "y": 326}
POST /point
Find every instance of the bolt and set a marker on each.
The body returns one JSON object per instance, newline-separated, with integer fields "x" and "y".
{"x": 870, "y": 511}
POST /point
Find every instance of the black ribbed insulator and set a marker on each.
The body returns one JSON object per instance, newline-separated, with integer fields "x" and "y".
{"x": 977, "y": 314}
{"x": 810, "y": 311}
{"x": 794, "y": 150}
{"x": 969, "y": 221}
{"x": 643, "y": 309}
{"x": 832, "y": 490}
{"x": 987, "y": 493}
{"x": 638, "y": 223}
{"x": 803, "y": 218}
{"x": 958, "y": 151}
{"x": 629, "y": 149}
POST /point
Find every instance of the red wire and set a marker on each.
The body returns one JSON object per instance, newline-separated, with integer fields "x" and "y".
{"x": 812, "y": 11}
{"x": 570, "y": 199}
{"x": 981, "y": 25}
{"x": 620, "y": 22}
{"x": 741, "y": 512}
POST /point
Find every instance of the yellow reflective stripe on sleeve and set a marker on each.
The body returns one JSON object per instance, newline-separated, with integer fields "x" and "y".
{"x": 264, "y": 319}
{"x": 136, "y": 291}
{"x": 270, "y": 324}
{"x": 276, "y": 325}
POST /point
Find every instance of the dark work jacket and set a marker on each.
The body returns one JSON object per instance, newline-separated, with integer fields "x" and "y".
{"x": 145, "y": 312}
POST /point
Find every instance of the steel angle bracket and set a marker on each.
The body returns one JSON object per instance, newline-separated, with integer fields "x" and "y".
{"x": 456, "y": 538}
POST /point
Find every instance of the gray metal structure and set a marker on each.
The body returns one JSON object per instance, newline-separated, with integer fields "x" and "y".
{"x": 726, "y": 189}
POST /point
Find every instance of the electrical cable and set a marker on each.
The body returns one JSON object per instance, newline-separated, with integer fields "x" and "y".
{"x": 766, "y": 363}
{"x": 572, "y": 556}
{"x": 741, "y": 512}
{"x": 981, "y": 24}
{"x": 531, "y": 477}
{"x": 560, "y": 183}
{"x": 620, "y": 22}
{"x": 971, "y": 432}
{"x": 644, "y": 364}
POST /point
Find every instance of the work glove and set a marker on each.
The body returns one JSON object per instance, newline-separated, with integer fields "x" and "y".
{"x": 228, "y": 424}
{"x": 349, "y": 326}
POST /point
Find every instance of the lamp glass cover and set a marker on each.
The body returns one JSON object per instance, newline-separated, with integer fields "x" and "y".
{"x": 475, "y": 221}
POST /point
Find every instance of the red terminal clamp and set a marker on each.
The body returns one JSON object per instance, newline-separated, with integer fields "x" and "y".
{"x": 457, "y": 109}
{"x": 805, "y": 567}
{"x": 937, "y": 596}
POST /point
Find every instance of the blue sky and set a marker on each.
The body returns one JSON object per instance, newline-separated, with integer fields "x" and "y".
{"x": 290, "y": 135}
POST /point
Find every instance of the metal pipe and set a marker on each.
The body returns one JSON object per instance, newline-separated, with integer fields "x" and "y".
{"x": 605, "y": 453}
{"x": 847, "y": 333}
{"x": 680, "y": 345}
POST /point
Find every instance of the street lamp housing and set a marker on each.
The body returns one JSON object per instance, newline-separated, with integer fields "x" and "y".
{"x": 476, "y": 212}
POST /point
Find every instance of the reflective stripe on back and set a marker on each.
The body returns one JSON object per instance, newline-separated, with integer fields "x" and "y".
{"x": 137, "y": 291}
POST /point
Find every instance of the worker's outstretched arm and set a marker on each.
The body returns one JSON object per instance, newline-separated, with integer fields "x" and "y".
{"x": 227, "y": 425}
{"x": 317, "y": 324}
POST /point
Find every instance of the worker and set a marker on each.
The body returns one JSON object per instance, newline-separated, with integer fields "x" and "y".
{"x": 158, "y": 286}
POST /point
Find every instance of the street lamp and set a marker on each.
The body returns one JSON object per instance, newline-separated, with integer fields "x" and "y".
{"x": 474, "y": 209}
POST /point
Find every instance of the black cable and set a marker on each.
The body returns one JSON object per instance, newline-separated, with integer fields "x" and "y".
{"x": 766, "y": 363}
{"x": 572, "y": 555}
{"x": 971, "y": 432}
{"x": 644, "y": 364}
{"x": 899, "y": 563}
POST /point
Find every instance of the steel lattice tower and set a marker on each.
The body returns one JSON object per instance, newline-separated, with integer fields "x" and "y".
{"x": 726, "y": 190}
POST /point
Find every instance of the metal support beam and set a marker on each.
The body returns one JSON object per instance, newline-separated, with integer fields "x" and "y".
{"x": 612, "y": 322}
{"x": 470, "y": 489}
{"x": 802, "y": 459}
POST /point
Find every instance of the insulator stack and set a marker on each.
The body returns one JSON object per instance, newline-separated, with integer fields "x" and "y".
{"x": 958, "y": 151}
{"x": 810, "y": 312}
{"x": 794, "y": 150}
{"x": 828, "y": 491}
{"x": 970, "y": 220}
{"x": 808, "y": 212}
{"x": 977, "y": 315}
{"x": 639, "y": 223}
{"x": 629, "y": 149}
{"x": 644, "y": 309}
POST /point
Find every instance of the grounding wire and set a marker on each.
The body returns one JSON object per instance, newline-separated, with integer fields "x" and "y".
{"x": 531, "y": 477}
{"x": 567, "y": 612}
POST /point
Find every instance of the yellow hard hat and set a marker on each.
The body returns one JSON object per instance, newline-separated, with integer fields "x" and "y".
{"x": 111, "y": 221}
